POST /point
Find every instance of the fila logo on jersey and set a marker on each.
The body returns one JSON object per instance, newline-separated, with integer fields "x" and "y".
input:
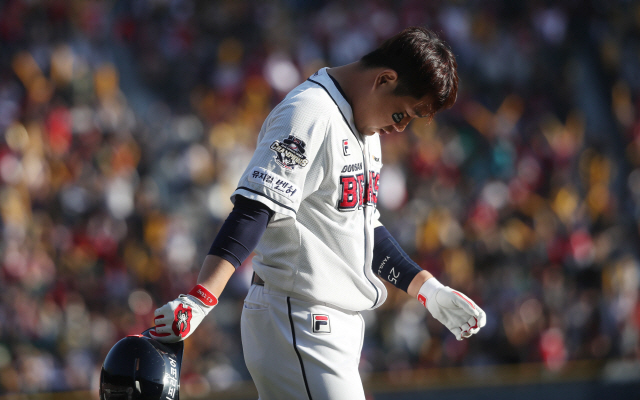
{"x": 345, "y": 147}
{"x": 290, "y": 152}
{"x": 321, "y": 323}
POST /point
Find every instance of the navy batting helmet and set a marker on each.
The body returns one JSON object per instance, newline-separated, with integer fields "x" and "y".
{"x": 139, "y": 367}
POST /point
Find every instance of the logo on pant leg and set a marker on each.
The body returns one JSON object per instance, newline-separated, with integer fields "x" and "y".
{"x": 321, "y": 323}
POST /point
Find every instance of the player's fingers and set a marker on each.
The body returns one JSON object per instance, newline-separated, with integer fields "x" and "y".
{"x": 465, "y": 303}
{"x": 163, "y": 329}
{"x": 457, "y": 332}
{"x": 159, "y": 312}
{"x": 165, "y": 338}
{"x": 156, "y": 334}
{"x": 474, "y": 327}
{"x": 467, "y": 326}
{"x": 161, "y": 321}
{"x": 482, "y": 318}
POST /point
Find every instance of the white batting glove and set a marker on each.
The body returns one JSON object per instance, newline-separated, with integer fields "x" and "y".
{"x": 453, "y": 309}
{"x": 177, "y": 319}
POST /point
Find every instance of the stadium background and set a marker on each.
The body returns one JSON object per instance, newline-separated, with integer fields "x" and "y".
{"x": 125, "y": 126}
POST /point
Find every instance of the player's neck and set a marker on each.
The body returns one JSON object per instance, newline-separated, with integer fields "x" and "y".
{"x": 348, "y": 77}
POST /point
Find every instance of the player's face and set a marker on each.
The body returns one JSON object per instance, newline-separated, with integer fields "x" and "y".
{"x": 383, "y": 112}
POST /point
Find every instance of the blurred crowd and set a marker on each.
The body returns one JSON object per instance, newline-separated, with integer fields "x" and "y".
{"x": 125, "y": 125}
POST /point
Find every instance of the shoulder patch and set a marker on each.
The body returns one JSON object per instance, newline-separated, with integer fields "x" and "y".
{"x": 275, "y": 182}
{"x": 290, "y": 152}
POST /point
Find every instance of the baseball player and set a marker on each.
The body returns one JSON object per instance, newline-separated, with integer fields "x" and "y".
{"x": 306, "y": 204}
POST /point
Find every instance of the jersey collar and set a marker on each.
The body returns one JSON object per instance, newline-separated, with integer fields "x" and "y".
{"x": 323, "y": 79}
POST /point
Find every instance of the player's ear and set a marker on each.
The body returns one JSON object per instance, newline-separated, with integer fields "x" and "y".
{"x": 386, "y": 77}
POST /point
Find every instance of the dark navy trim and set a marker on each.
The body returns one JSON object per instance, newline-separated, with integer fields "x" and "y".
{"x": 264, "y": 195}
{"x": 295, "y": 347}
{"x": 336, "y": 103}
{"x": 337, "y": 85}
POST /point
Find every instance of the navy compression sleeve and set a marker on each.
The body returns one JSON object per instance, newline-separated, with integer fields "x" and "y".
{"x": 242, "y": 231}
{"x": 390, "y": 262}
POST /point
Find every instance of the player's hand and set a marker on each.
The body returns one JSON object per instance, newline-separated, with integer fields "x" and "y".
{"x": 177, "y": 319}
{"x": 453, "y": 309}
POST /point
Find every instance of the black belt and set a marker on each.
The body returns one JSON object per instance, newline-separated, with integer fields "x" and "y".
{"x": 256, "y": 280}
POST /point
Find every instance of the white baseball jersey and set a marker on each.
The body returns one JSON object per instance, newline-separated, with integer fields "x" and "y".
{"x": 320, "y": 176}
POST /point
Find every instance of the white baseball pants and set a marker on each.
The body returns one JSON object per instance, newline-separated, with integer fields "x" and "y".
{"x": 295, "y": 349}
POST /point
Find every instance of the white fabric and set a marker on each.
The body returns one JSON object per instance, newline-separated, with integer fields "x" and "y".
{"x": 176, "y": 320}
{"x": 316, "y": 245}
{"x": 329, "y": 360}
{"x": 457, "y": 312}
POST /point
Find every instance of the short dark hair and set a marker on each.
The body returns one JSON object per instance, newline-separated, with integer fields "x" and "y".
{"x": 424, "y": 64}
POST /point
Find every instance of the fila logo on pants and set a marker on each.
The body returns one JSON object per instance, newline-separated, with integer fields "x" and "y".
{"x": 321, "y": 323}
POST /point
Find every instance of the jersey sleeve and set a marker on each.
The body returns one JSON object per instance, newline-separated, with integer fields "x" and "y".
{"x": 289, "y": 143}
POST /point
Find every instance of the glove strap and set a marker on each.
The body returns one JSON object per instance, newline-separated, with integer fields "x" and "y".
{"x": 428, "y": 289}
{"x": 206, "y": 297}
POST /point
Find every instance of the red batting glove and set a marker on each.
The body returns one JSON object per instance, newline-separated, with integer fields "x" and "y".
{"x": 177, "y": 319}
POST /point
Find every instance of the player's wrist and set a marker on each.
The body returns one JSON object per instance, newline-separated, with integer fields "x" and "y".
{"x": 177, "y": 319}
{"x": 428, "y": 290}
{"x": 417, "y": 282}
{"x": 203, "y": 298}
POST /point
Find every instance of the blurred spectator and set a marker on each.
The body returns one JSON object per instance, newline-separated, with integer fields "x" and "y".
{"x": 125, "y": 127}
